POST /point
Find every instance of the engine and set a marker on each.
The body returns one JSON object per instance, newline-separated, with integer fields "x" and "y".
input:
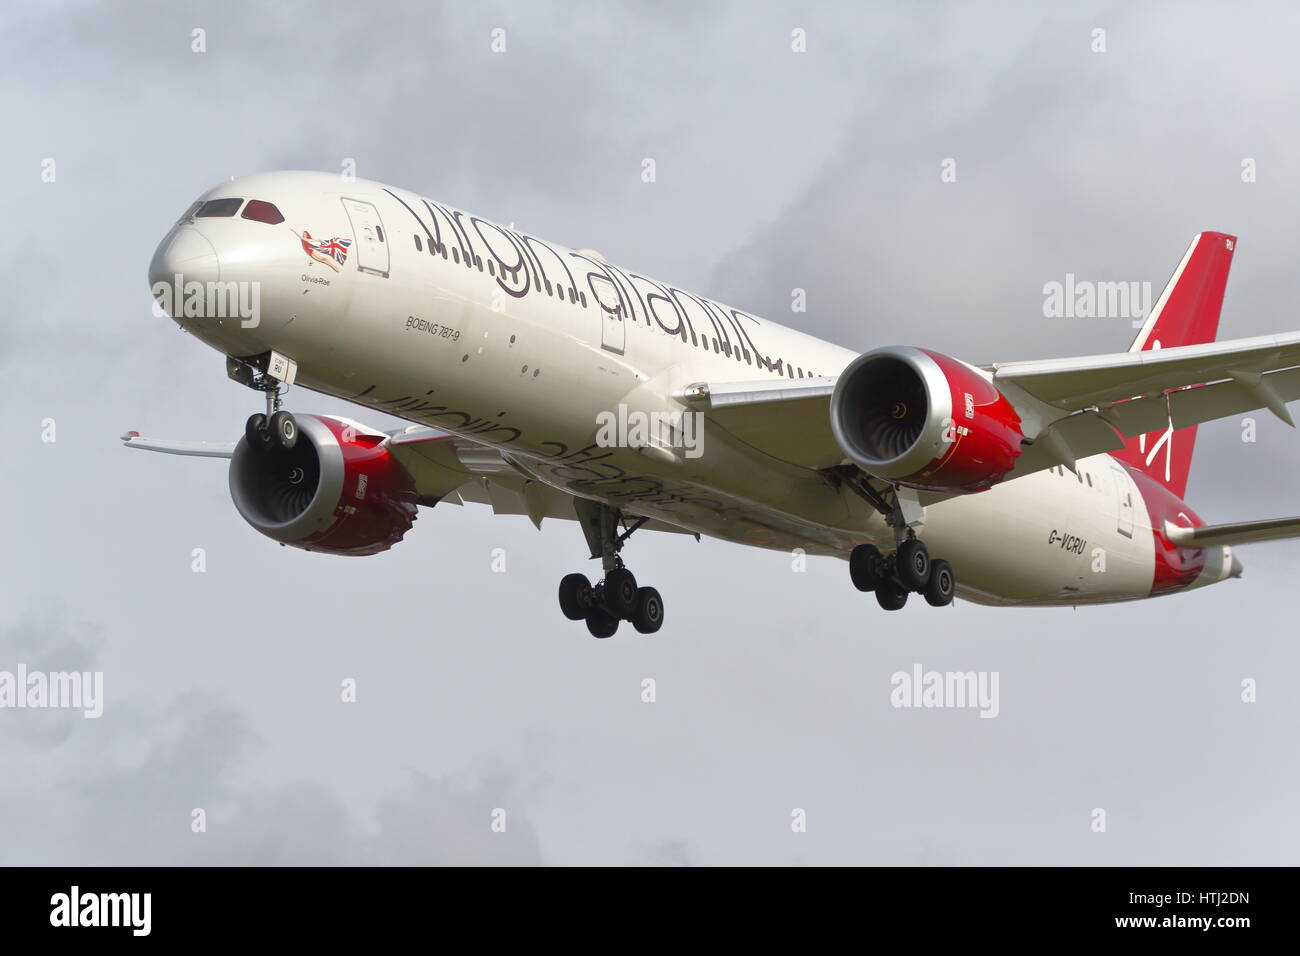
{"x": 337, "y": 490}
{"x": 925, "y": 421}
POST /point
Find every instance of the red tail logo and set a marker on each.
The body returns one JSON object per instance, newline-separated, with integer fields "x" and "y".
{"x": 1187, "y": 313}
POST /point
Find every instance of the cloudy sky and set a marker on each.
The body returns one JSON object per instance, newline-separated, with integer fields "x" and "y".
{"x": 775, "y": 170}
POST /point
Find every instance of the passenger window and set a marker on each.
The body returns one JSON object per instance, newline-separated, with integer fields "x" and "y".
{"x": 379, "y": 231}
{"x": 418, "y": 246}
{"x": 219, "y": 208}
{"x": 492, "y": 269}
{"x": 455, "y": 255}
{"x": 582, "y": 297}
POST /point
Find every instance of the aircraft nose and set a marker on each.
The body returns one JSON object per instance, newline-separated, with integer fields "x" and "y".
{"x": 184, "y": 256}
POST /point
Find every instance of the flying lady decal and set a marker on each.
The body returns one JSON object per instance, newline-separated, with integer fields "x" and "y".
{"x": 332, "y": 252}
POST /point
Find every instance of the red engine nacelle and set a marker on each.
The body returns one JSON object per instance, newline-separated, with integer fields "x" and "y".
{"x": 338, "y": 490}
{"x": 924, "y": 420}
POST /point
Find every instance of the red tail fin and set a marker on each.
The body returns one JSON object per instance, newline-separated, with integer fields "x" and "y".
{"x": 1187, "y": 313}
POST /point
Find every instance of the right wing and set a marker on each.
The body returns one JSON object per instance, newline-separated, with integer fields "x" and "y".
{"x": 454, "y": 469}
{"x": 444, "y": 467}
{"x": 196, "y": 449}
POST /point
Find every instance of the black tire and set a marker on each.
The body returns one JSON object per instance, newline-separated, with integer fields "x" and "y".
{"x": 890, "y": 596}
{"x": 620, "y": 593}
{"x": 649, "y": 614}
{"x": 941, "y": 587}
{"x": 866, "y": 567}
{"x": 601, "y": 623}
{"x": 257, "y": 432}
{"x": 913, "y": 564}
{"x": 284, "y": 429}
{"x": 575, "y": 596}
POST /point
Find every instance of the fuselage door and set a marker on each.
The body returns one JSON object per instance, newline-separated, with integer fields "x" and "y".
{"x": 369, "y": 237}
{"x": 613, "y": 327}
{"x": 1124, "y": 491}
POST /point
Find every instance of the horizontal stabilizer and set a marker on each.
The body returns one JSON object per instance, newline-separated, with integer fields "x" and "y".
{"x": 1245, "y": 532}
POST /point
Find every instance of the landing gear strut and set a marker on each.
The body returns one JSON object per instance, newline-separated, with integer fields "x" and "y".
{"x": 616, "y": 597}
{"x": 910, "y": 568}
{"x": 277, "y": 428}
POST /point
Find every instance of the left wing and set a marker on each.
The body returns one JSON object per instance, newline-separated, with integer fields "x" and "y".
{"x": 1077, "y": 406}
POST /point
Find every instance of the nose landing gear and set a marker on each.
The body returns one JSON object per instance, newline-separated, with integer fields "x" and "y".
{"x": 279, "y": 431}
{"x": 277, "y": 428}
{"x": 616, "y": 597}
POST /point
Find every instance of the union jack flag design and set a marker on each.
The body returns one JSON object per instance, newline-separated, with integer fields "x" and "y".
{"x": 333, "y": 252}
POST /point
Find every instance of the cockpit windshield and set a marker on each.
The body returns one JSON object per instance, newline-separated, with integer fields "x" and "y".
{"x": 218, "y": 208}
{"x": 256, "y": 211}
{"x": 260, "y": 211}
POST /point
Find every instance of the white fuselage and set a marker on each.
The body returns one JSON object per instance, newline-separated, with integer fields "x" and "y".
{"x": 448, "y": 320}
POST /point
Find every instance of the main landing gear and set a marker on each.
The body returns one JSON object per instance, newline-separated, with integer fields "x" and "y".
{"x": 616, "y": 597}
{"x": 909, "y": 569}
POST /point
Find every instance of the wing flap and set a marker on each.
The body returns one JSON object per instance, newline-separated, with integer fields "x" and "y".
{"x": 1205, "y": 403}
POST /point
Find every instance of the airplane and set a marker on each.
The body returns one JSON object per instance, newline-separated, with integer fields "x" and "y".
{"x": 545, "y": 381}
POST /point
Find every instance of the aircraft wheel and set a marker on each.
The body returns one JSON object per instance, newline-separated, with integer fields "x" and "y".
{"x": 257, "y": 432}
{"x": 575, "y": 596}
{"x": 601, "y": 623}
{"x": 913, "y": 564}
{"x": 649, "y": 614}
{"x": 941, "y": 587}
{"x": 620, "y": 593}
{"x": 284, "y": 428}
{"x": 866, "y": 567}
{"x": 890, "y": 595}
